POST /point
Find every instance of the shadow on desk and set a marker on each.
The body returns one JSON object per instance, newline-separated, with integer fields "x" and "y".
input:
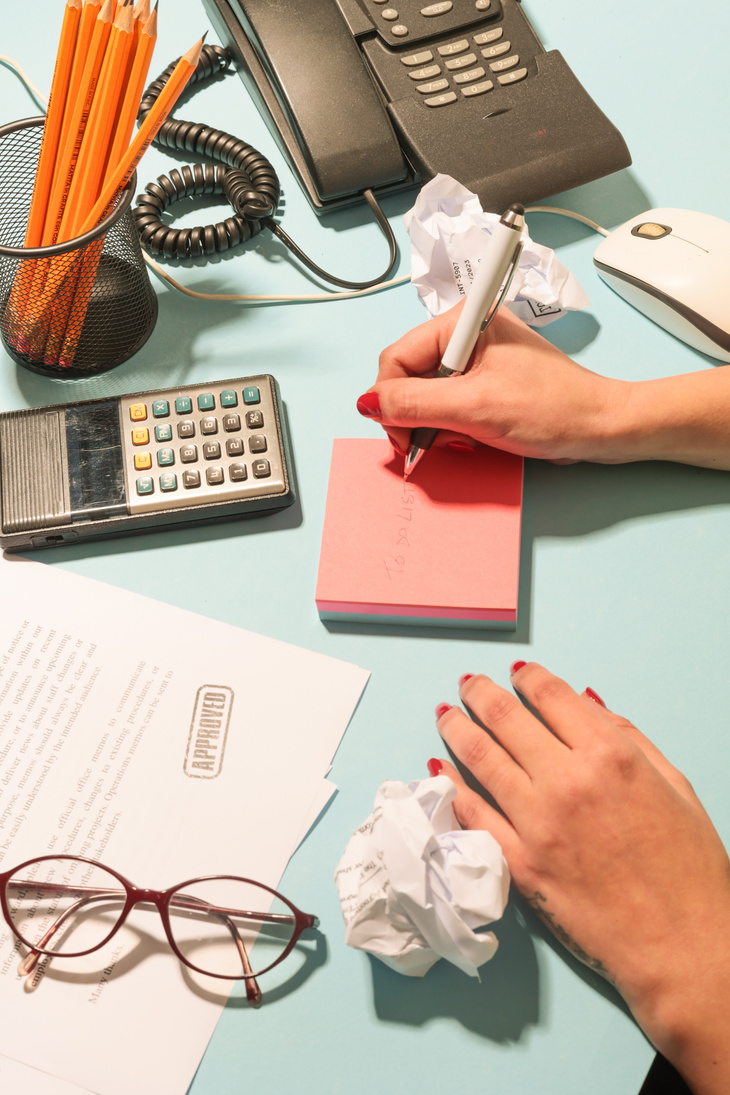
{"x": 573, "y": 501}
{"x": 503, "y": 1005}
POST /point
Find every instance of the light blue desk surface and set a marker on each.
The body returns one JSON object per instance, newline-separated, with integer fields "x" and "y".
{"x": 625, "y": 579}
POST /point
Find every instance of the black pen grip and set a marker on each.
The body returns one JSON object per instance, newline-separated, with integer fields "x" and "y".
{"x": 423, "y": 437}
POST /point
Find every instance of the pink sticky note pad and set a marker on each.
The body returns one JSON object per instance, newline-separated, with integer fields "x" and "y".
{"x": 442, "y": 548}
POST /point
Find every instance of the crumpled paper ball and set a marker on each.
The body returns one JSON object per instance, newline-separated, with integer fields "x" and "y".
{"x": 414, "y": 886}
{"x": 449, "y": 232}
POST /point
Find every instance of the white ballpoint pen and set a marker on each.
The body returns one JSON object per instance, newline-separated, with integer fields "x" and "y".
{"x": 487, "y": 292}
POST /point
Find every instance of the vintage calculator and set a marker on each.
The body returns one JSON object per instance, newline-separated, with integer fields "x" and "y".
{"x": 175, "y": 456}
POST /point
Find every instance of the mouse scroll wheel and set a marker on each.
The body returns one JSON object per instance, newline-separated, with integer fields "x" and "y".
{"x": 650, "y": 230}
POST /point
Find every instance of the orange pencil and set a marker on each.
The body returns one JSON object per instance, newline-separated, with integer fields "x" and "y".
{"x": 129, "y": 106}
{"x": 88, "y": 176}
{"x": 141, "y": 15}
{"x": 46, "y": 159}
{"x": 54, "y": 122}
{"x": 73, "y": 131}
{"x": 90, "y": 162}
{"x": 118, "y": 178}
{"x": 77, "y": 119}
{"x": 86, "y": 28}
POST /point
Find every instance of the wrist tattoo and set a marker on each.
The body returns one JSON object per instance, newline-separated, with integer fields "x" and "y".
{"x": 538, "y": 904}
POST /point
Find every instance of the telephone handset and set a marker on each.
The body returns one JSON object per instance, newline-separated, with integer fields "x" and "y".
{"x": 379, "y": 94}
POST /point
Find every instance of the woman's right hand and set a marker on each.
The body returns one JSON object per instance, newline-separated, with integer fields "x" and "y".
{"x": 520, "y": 394}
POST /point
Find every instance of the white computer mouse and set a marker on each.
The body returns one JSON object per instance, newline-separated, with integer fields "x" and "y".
{"x": 674, "y": 266}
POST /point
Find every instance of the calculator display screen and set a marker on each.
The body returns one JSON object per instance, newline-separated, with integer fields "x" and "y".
{"x": 95, "y": 463}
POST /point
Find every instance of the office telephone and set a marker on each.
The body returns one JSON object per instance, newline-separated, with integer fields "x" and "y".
{"x": 381, "y": 94}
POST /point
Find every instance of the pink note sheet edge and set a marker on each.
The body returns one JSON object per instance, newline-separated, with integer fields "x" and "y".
{"x": 501, "y": 615}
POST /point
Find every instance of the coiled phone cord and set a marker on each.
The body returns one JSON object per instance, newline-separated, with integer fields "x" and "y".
{"x": 240, "y": 173}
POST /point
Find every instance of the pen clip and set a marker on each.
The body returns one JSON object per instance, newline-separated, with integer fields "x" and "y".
{"x": 505, "y": 286}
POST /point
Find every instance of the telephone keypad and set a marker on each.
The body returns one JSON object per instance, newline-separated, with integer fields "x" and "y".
{"x": 452, "y": 70}
{"x": 246, "y": 460}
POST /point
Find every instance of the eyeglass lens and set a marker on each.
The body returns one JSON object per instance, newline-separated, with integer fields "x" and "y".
{"x": 216, "y": 922}
{"x": 67, "y": 906}
{"x": 64, "y": 905}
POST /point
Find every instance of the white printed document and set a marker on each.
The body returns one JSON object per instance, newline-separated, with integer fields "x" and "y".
{"x": 166, "y": 746}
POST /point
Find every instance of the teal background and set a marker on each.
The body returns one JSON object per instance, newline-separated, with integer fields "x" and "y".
{"x": 625, "y": 575}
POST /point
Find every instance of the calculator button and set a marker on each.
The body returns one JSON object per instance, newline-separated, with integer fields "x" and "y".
{"x": 231, "y": 422}
{"x": 432, "y": 87}
{"x": 489, "y": 36}
{"x": 477, "y": 89}
{"x": 425, "y": 73}
{"x": 186, "y": 429}
{"x": 191, "y": 479}
{"x": 206, "y": 401}
{"x": 512, "y": 77}
{"x": 160, "y": 408}
{"x": 441, "y": 100}
{"x": 469, "y": 77}
{"x": 457, "y": 63}
{"x": 234, "y": 446}
{"x": 163, "y": 432}
{"x": 421, "y": 58}
{"x": 145, "y": 484}
{"x": 496, "y": 51}
{"x": 168, "y": 481}
{"x": 437, "y": 9}
{"x": 189, "y": 454}
{"x": 257, "y": 443}
{"x": 237, "y": 473}
{"x": 214, "y": 476}
{"x": 261, "y": 469}
{"x": 453, "y": 47}
{"x": 400, "y": 30}
{"x": 138, "y": 412}
{"x": 165, "y": 457}
{"x": 390, "y": 14}
{"x": 505, "y": 63}
{"x": 229, "y": 398}
{"x": 254, "y": 420}
{"x": 142, "y": 461}
{"x": 483, "y": 5}
{"x": 183, "y": 404}
{"x": 211, "y": 450}
{"x": 141, "y": 436}
{"x": 251, "y": 395}
{"x": 209, "y": 425}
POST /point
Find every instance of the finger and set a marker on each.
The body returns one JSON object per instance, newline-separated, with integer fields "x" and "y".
{"x": 575, "y": 720}
{"x": 419, "y": 352}
{"x": 400, "y": 439}
{"x": 508, "y": 783}
{"x": 523, "y": 736}
{"x": 473, "y": 812}
{"x": 444, "y": 404}
{"x": 649, "y": 749}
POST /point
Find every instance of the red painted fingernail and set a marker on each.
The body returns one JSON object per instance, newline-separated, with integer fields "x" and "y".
{"x": 594, "y": 696}
{"x": 516, "y": 666}
{"x": 369, "y": 405}
{"x": 464, "y": 679}
{"x": 460, "y": 446}
{"x": 434, "y": 766}
{"x": 442, "y": 709}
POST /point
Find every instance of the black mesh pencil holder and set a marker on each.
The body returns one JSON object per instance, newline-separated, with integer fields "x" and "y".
{"x": 78, "y": 308}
